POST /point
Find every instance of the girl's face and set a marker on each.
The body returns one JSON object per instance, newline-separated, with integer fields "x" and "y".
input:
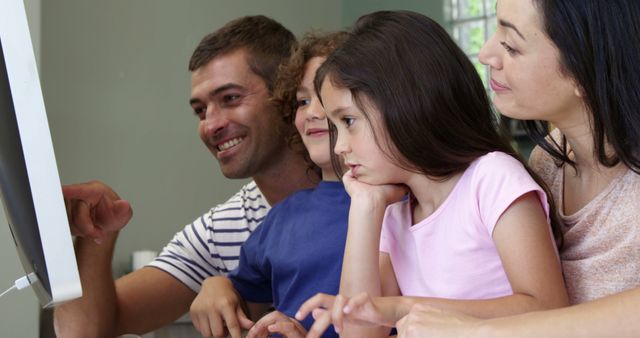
{"x": 311, "y": 121}
{"x": 526, "y": 77}
{"x": 355, "y": 140}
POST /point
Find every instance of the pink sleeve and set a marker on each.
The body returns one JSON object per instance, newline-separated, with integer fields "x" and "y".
{"x": 393, "y": 222}
{"x": 499, "y": 180}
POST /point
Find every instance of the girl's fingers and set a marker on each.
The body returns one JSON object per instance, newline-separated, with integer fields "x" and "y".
{"x": 337, "y": 312}
{"x": 320, "y": 325}
{"x": 320, "y": 300}
{"x": 356, "y": 302}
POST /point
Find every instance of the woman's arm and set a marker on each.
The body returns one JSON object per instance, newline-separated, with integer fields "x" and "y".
{"x": 612, "y": 316}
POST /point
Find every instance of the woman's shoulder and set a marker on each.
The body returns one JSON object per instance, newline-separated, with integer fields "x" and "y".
{"x": 541, "y": 162}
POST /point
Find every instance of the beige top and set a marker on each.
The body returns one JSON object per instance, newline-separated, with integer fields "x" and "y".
{"x": 601, "y": 253}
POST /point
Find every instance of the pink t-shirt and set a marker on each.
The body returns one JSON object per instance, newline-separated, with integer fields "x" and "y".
{"x": 451, "y": 253}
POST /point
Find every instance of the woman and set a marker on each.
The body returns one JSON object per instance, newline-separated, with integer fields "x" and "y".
{"x": 573, "y": 64}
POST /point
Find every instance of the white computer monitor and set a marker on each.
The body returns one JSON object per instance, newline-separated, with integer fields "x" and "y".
{"x": 29, "y": 182}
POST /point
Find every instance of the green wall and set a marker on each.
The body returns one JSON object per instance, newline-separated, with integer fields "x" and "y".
{"x": 116, "y": 89}
{"x": 352, "y": 9}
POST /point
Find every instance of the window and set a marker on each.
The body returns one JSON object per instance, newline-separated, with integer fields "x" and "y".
{"x": 471, "y": 23}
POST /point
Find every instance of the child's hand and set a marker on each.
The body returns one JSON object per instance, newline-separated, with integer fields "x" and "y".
{"x": 359, "y": 310}
{"x": 277, "y": 322}
{"x": 216, "y": 311}
{"x": 387, "y": 193}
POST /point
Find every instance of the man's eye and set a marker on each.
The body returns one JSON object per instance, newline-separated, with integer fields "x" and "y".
{"x": 200, "y": 112}
{"x": 230, "y": 98}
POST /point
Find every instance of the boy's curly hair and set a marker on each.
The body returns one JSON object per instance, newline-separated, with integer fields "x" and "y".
{"x": 290, "y": 73}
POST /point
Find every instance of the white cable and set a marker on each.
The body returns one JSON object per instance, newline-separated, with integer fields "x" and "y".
{"x": 9, "y": 289}
{"x": 22, "y": 283}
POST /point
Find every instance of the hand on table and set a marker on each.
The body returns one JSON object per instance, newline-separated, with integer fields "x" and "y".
{"x": 277, "y": 322}
{"x": 326, "y": 310}
{"x": 216, "y": 310}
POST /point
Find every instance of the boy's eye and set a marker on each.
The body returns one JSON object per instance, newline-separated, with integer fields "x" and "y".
{"x": 303, "y": 102}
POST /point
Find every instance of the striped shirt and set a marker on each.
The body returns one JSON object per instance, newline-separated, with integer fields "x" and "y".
{"x": 210, "y": 246}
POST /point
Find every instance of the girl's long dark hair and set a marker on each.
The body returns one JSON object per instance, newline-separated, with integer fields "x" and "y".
{"x": 433, "y": 105}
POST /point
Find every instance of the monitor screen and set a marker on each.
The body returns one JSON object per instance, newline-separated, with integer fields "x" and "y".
{"x": 29, "y": 182}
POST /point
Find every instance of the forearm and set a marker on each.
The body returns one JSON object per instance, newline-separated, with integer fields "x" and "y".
{"x": 360, "y": 269}
{"x": 94, "y": 314}
{"x": 488, "y": 308}
{"x": 613, "y": 316}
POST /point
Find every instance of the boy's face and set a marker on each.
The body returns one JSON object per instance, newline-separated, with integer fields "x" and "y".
{"x": 311, "y": 121}
{"x": 238, "y": 123}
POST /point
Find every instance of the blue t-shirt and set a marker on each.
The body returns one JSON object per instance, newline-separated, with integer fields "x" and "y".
{"x": 297, "y": 251}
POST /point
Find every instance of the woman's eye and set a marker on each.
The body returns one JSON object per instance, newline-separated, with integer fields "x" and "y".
{"x": 508, "y": 48}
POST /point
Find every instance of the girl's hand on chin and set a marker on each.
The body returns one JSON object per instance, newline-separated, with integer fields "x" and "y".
{"x": 385, "y": 193}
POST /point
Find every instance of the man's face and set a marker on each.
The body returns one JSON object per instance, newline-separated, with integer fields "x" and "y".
{"x": 238, "y": 124}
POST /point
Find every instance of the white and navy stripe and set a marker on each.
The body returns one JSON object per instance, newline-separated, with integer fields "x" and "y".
{"x": 210, "y": 246}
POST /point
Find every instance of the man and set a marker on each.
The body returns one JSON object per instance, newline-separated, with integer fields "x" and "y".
{"x": 232, "y": 75}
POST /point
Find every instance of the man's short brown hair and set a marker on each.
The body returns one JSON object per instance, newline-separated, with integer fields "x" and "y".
{"x": 267, "y": 41}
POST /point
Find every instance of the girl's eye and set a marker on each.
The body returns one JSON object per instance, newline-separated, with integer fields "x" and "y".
{"x": 348, "y": 121}
{"x": 508, "y": 48}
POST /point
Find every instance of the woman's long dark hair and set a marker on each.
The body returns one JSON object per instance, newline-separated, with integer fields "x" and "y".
{"x": 433, "y": 105}
{"x": 598, "y": 43}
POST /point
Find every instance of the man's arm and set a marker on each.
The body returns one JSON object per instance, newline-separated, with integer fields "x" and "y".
{"x": 139, "y": 302}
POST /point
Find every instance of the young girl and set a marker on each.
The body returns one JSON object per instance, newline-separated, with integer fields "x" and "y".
{"x": 575, "y": 65}
{"x": 313, "y": 222}
{"x": 412, "y": 115}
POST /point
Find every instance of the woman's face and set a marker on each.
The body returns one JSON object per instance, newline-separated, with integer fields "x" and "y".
{"x": 526, "y": 76}
{"x": 311, "y": 120}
